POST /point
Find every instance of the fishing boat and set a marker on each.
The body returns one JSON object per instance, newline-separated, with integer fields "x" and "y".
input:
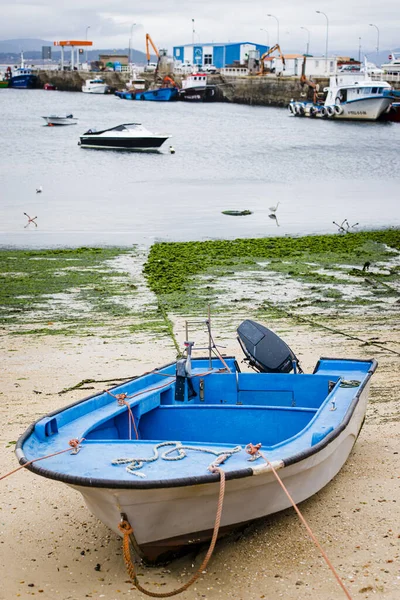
{"x": 195, "y": 89}
{"x": 146, "y": 451}
{"x": 23, "y": 77}
{"x": 350, "y": 95}
{"x": 95, "y": 86}
{"x": 393, "y": 66}
{"x": 61, "y": 120}
{"x": 129, "y": 136}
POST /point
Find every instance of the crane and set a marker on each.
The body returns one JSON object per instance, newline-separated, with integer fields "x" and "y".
{"x": 150, "y": 41}
{"x": 267, "y": 53}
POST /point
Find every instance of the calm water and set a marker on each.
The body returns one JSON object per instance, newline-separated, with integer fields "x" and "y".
{"x": 227, "y": 157}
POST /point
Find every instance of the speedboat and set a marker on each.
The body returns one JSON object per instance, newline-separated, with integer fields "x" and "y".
{"x": 61, "y": 120}
{"x": 95, "y": 86}
{"x": 129, "y": 136}
{"x": 350, "y": 96}
{"x": 147, "y": 451}
{"x": 195, "y": 88}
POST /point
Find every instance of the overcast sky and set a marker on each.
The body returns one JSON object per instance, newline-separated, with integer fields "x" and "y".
{"x": 169, "y": 22}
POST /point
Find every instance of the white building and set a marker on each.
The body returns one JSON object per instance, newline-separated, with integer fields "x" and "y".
{"x": 316, "y": 66}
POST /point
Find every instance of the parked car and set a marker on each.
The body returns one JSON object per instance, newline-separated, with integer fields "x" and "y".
{"x": 209, "y": 69}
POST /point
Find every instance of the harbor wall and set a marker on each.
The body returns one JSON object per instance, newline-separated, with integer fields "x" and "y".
{"x": 253, "y": 90}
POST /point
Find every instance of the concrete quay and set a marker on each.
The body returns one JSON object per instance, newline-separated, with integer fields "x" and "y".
{"x": 255, "y": 90}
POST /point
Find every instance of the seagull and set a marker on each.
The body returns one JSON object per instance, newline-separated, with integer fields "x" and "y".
{"x": 39, "y": 190}
{"x": 274, "y": 208}
{"x": 171, "y": 150}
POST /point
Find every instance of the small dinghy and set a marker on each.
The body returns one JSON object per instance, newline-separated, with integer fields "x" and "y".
{"x": 61, "y": 120}
{"x": 146, "y": 451}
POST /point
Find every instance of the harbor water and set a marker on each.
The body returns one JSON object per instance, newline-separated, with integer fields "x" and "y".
{"x": 227, "y": 157}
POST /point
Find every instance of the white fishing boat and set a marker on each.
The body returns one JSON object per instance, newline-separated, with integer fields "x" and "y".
{"x": 136, "y": 82}
{"x": 393, "y": 66}
{"x": 349, "y": 96}
{"x": 95, "y": 86}
{"x": 61, "y": 120}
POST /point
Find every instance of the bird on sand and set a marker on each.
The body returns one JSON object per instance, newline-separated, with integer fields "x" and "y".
{"x": 39, "y": 190}
{"x": 273, "y": 209}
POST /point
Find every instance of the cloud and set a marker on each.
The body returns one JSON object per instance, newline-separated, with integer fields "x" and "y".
{"x": 169, "y": 22}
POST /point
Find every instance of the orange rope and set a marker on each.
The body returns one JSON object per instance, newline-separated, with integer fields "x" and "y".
{"x": 310, "y": 533}
{"x": 74, "y": 443}
{"x": 127, "y": 530}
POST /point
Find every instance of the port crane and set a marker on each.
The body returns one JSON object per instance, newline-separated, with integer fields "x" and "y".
{"x": 149, "y": 42}
{"x": 267, "y": 53}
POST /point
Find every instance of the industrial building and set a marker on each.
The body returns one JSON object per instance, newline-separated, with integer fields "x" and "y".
{"x": 220, "y": 55}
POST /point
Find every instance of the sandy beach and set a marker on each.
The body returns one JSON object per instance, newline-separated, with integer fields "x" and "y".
{"x": 52, "y": 547}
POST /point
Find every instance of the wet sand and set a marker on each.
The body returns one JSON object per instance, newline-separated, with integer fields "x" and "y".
{"x": 52, "y": 547}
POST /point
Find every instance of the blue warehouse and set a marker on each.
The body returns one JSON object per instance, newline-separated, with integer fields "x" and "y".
{"x": 219, "y": 55}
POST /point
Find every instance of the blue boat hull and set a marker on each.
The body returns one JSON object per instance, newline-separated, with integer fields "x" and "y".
{"x": 23, "y": 81}
{"x": 160, "y": 95}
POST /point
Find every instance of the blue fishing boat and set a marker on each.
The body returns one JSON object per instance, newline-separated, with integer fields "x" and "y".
{"x": 23, "y": 77}
{"x": 150, "y": 451}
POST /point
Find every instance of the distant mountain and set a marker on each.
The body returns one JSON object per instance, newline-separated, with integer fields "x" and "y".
{"x": 15, "y": 46}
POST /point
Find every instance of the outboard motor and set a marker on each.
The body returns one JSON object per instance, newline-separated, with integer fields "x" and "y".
{"x": 264, "y": 350}
{"x": 183, "y": 375}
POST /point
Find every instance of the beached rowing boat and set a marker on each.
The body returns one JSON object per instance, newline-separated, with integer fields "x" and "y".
{"x": 145, "y": 448}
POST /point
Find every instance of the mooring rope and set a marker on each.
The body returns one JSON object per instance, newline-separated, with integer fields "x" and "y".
{"x": 137, "y": 463}
{"x": 127, "y": 530}
{"x": 74, "y": 444}
{"x": 302, "y": 519}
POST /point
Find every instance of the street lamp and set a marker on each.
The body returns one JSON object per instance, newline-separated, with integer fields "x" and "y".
{"x": 87, "y": 29}
{"x": 327, "y": 33}
{"x": 359, "y": 50}
{"x": 308, "y": 39}
{"x": 130, "y": 43}
{"x": 267, "y": 32}
{"x": 377, "y": 42}
{"x": 277, "y": 24}
{"x": 193, "y": 32}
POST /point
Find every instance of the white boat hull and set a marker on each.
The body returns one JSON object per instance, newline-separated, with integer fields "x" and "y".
{"x": 364, "y": 110}
{"x": 174, "y": 516}
{"x": 95, "y": 89}
{"x": 60, "y": 121}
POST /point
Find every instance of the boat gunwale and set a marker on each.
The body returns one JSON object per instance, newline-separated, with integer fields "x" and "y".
{"x": 94, "y": 482}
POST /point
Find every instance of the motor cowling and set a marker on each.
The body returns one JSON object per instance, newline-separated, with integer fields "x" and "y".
{"x": 265, "y": 351}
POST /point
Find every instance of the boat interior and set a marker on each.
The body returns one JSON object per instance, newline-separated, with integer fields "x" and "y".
{"x": 269, "y": 407}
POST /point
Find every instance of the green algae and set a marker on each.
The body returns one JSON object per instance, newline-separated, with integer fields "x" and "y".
{"x": 170, "y": 265}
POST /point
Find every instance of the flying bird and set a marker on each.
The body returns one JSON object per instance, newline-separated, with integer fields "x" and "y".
{"x": 273, "y": 209}
{"x": 39, "y": 190}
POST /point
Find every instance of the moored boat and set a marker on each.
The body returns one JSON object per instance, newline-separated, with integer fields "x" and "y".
{"x": 61, "y": 120}
{"x": 145, "y": 451}
{"x": 195, "y": 89}
{"x": 352, "y": 96}
{"x": 129, "y": 136}
{"x": 95, "y": 86}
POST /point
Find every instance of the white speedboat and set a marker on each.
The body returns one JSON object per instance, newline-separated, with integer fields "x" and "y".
{"x": 350, "y": 96}
{"x": 95, "y": 86}
{"x": 129, "y": 136}
{"x": 61, "y": 120}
